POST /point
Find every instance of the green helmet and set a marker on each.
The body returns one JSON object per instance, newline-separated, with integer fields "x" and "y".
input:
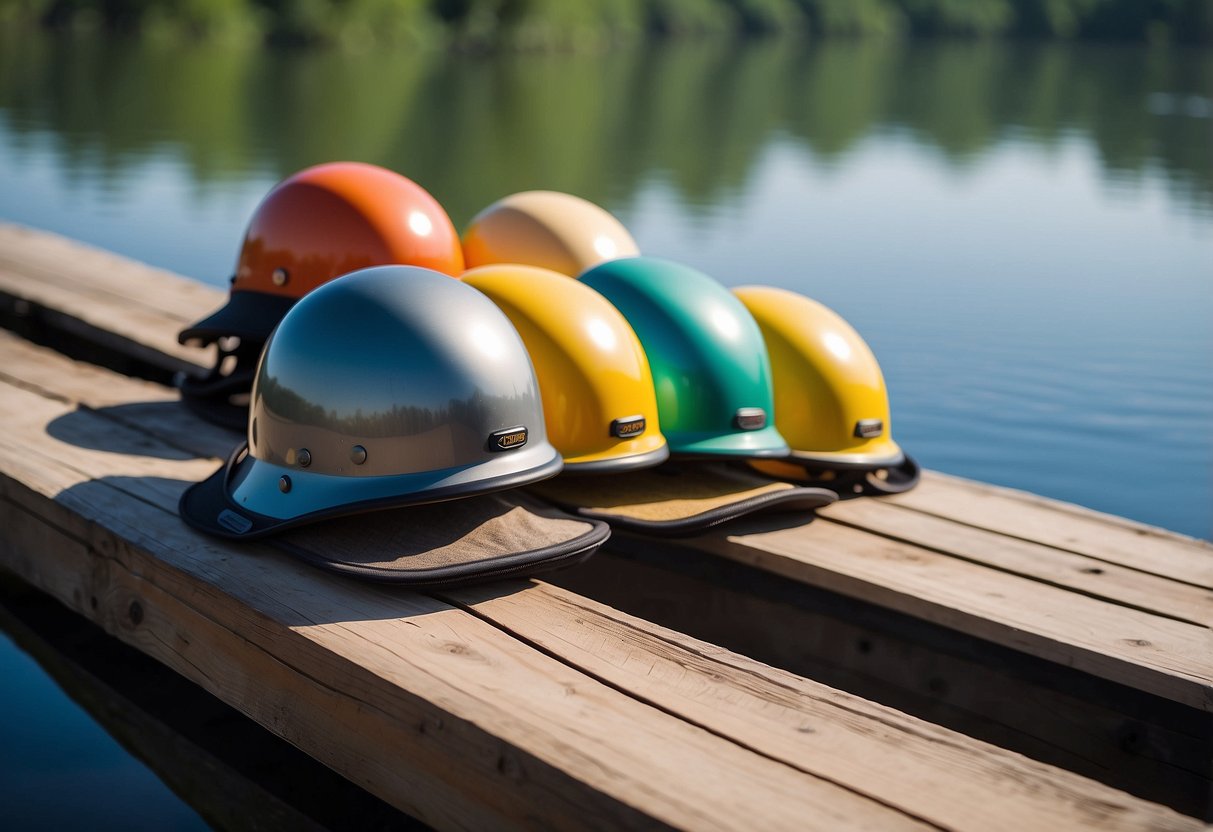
{"x": 710, "y": 366}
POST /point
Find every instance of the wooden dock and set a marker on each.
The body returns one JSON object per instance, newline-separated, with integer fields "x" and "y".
{"x": 957, "y": 657}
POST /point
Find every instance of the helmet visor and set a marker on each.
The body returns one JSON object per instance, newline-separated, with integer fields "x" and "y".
{"x": 250, "y": 316}
{"x": 679, "y": 499}
{"x": 213, "y": 506}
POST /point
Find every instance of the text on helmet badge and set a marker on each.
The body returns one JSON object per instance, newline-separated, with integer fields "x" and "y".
{"x": 628, "y": 427}
{"x": 234, "y": 522}
{"x": 869, "y": 428}
{"x": 750, "y": 418}
{"x": 508, "y": 439}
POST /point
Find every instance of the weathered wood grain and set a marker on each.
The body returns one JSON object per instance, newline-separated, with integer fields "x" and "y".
{"x": 102, "y": 297}
{"x": 1072, "y": 528}
{"x": 1173, "y": 659}
{"x": 907, "y": 763}
{"x": 34, "y": 259}
{"x": 1148, "y": 746}
{"x": 1058, "y": 567}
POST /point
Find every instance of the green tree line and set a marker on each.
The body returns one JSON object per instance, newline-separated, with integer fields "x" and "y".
{"x": 697, "y": 116}
{"x": 543, "y": 24}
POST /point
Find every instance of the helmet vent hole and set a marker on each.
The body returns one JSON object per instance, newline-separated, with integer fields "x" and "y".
{"x": 303, "y": 458}
{"x": 357, "y": 454}
{"x": 284, "y": 484}
{"x": 280, "y": 276}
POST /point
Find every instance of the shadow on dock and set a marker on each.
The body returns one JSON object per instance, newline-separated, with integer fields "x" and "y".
{"x": 159, "y": 429}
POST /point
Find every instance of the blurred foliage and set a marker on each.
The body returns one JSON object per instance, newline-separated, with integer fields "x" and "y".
{"x": 578, "y": 24}
{"x": 697, "y": 117}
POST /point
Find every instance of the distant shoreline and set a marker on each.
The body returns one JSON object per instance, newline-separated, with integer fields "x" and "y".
{"x": 591, "y": 24}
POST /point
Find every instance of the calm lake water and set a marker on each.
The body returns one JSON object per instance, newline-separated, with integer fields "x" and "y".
{"x": 1023, "y": 233}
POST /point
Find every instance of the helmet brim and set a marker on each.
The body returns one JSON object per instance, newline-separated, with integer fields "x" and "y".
{"x": 247, "y": 315}
{"x": 679, "y": 500}
{"x": 883, "y": 455}
{"x": 455, "y": 543}
{"x": 209, "y": 506}
{"x": 619, "y": 464}
{"x": 749, "y": 444}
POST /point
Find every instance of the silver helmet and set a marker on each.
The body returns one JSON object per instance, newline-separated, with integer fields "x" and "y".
{"x": 391, "y": 386}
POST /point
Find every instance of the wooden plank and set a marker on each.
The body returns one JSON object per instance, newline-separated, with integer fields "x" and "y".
{"x": 729, "y": 696}
{"x": 1151, "y": 747}
{"x": 441, "y": 714}
{"x": 107, "y": 279}
{"x": 1169, "y": 658}
{"x": 1113, "y": 540}
{"x": 908, "y": 763}
{"x": 1080, "y": 573}
{"x": 101, "y": 297}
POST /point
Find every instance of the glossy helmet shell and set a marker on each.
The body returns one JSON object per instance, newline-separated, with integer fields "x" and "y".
{"x": 710, "y": 367}
{"x": 831, "y": 403}
{"x": 321, "y": 223}
{"x": 390, "y": 386}
{"x": 552, "y": 230}
{"x": 593, "y": 375}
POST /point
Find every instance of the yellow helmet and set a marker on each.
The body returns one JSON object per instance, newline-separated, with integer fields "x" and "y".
{"x": 552, "y": 230}
{"x": 831, "y": 403}
{"x": 594, "y": 379}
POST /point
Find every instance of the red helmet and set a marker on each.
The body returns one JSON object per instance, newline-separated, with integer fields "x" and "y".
{"x": 319, "y": 224}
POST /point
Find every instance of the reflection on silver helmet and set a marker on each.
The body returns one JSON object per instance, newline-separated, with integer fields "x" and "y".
{"x": 390, "y": 386}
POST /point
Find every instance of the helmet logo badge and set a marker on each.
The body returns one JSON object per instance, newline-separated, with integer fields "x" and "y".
{"x": 508, "y": 439}
{"x": 234, "y": 522}
{"x": 869, "y": 428}
{"x": 628, "y": 427}
{"x": 750, "y": 418}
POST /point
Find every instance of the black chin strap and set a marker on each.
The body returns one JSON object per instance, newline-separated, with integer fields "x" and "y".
{"x": 893, "y": 480}
{"x": 212, "y": 396}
